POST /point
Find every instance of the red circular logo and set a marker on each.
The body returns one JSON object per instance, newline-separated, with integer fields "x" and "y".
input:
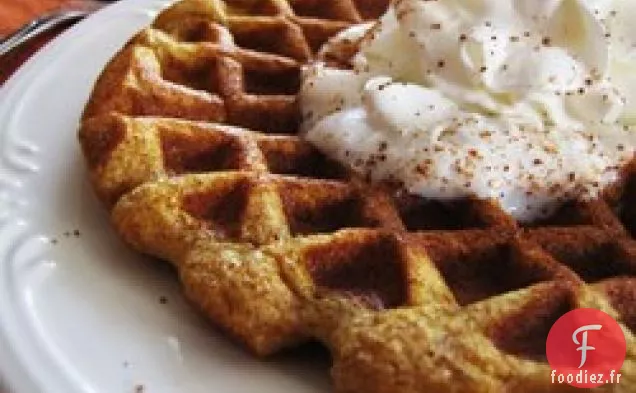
{"x": 585, "y": 349}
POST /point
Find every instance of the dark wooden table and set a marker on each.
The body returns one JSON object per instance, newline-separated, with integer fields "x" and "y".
{"x": 13, "y": 14}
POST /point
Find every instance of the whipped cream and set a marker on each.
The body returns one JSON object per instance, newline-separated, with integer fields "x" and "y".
{"x": 529, "y": 103}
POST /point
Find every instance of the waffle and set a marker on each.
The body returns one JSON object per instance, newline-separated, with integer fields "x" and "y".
{"x": 190, "y": 137}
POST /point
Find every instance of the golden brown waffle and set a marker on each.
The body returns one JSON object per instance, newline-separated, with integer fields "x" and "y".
{"x": 190, "y": 138}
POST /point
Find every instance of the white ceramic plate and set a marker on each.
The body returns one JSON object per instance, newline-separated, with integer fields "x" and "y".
{"x": 79, "y": 312}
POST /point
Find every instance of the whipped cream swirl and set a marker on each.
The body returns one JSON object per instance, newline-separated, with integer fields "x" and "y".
{"x": 529, "y": 103}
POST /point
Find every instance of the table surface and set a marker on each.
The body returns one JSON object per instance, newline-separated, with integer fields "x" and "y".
{"x": 13, "y": 14}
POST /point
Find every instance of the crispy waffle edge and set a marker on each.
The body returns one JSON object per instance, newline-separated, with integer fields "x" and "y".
{"x": 189, "y": 136}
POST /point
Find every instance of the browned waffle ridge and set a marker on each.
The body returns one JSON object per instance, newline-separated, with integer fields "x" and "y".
{"x": 190, "y": 137}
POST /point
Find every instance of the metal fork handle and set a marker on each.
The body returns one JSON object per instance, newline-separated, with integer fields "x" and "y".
{"x": 38, "y": 26}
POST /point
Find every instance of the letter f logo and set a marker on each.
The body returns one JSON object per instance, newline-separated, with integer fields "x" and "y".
{"x": 583, "y": 344}
{"x": 569, "y": 344}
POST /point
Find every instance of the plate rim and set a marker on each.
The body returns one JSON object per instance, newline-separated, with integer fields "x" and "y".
{"x": 15, "y": 375}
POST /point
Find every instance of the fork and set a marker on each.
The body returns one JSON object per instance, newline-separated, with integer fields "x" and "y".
{"x": 73, "y": 12}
